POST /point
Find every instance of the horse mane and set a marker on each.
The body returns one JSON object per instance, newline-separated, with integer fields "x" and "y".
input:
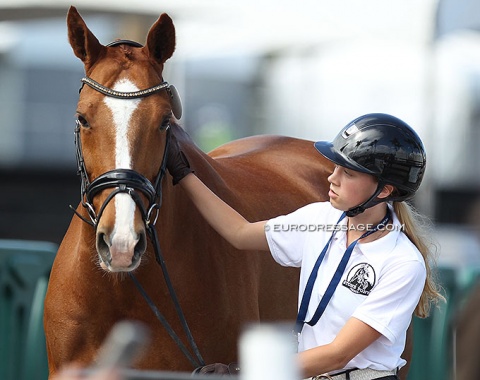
{"x": 204, "y": 166}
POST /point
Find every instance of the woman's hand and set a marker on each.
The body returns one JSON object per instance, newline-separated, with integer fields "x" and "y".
{"x": 177, "y": 162}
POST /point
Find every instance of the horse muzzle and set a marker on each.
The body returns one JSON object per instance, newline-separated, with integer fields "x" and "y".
{"x": 120, "y": 252}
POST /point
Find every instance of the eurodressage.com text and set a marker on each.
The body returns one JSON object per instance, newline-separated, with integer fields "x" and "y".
{"x": 331, "y": 227}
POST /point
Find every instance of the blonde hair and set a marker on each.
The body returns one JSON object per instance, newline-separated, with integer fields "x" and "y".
{"x": 418, "y": 229}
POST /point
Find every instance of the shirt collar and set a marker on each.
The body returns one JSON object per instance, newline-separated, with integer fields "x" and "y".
{"x": 383, "y": 245}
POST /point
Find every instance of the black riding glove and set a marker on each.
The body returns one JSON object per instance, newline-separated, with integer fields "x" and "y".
{"x": 177, "y": 162}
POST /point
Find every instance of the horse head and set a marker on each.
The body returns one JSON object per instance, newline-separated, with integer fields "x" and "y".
{"x": 123, "y": 116}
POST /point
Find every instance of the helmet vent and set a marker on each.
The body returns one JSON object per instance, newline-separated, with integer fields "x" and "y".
{"x": 349, "y": 131}
{"x": 413, "y": 175}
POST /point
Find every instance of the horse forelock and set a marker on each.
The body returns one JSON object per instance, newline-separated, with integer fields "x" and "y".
{"x": 126, "y": 58}
{"x": 127, "y": 51}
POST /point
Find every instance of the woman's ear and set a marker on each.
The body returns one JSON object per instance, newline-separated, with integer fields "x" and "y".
{"x": 386, "y": 191}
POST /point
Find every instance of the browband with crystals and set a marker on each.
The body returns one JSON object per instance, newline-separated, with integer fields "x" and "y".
{"x": 124, "y": 95}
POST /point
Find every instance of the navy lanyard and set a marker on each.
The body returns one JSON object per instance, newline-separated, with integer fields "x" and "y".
{"x": 307, "y": 294}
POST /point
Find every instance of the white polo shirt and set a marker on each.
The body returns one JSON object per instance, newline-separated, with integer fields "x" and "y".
{"x": 381, "y": 285}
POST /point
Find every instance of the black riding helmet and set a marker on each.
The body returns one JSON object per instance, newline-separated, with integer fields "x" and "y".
{"x": 383, "y": 146}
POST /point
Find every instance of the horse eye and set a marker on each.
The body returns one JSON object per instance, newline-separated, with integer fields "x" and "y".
{"x": 82, "y": 121}
{"x": 165, "y": 122}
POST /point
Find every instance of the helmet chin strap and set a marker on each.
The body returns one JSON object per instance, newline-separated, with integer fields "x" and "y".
{"x": 370, "y": 202}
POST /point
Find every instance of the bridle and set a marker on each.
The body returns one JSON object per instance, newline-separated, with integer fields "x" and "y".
{"x": 133, "y": 183}
{"x": 122, "y": 181}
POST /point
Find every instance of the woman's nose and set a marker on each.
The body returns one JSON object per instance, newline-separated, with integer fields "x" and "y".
{"x": 331, "y": 178}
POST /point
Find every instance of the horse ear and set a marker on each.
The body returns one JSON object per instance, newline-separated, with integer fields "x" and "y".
{"x": 161, "y": 39}
{"x": 84, "y": 44}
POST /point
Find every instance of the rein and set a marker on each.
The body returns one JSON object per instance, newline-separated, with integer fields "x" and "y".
{"x": 131, "y": 182}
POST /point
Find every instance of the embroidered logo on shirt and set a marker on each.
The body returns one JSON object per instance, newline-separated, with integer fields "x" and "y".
{"x": 360, "y": 279}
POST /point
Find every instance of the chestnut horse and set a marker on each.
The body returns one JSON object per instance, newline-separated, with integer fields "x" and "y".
{"x": 106, "y": 269}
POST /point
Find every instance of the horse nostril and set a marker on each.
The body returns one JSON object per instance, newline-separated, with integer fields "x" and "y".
{"x": 103, "y": 246}
{"x": 141, "y": 245}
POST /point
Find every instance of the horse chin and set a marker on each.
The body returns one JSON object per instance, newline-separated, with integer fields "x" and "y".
{"x": 109, "y": 267}
{"x": 118, "y": 263}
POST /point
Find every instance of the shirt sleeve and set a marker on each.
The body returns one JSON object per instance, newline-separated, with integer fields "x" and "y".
{"x": 288, "y": 234}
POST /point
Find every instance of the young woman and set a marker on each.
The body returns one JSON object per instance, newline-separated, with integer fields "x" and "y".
{"x": 365, "y": 269}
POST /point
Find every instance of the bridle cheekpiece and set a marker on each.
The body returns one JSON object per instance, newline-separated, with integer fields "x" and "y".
{"x": 123, "y": 181}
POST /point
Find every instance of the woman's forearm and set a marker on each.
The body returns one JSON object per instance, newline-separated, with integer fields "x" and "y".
{"x": 353, "y": 338}
{"x": 224, "y": 219}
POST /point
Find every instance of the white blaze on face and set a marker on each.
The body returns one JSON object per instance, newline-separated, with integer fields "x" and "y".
{"x": 123, "y": 238}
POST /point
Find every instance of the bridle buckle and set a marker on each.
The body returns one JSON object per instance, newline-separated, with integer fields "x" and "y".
{"x": 322, "y": 376}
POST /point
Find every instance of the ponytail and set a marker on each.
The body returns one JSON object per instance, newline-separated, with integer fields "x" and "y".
{"x": 418, "y": 228}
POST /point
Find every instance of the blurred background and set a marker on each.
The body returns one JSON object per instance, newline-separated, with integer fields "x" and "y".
{"x": 242, "y": 68}
{"x": 298, "y": 68}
